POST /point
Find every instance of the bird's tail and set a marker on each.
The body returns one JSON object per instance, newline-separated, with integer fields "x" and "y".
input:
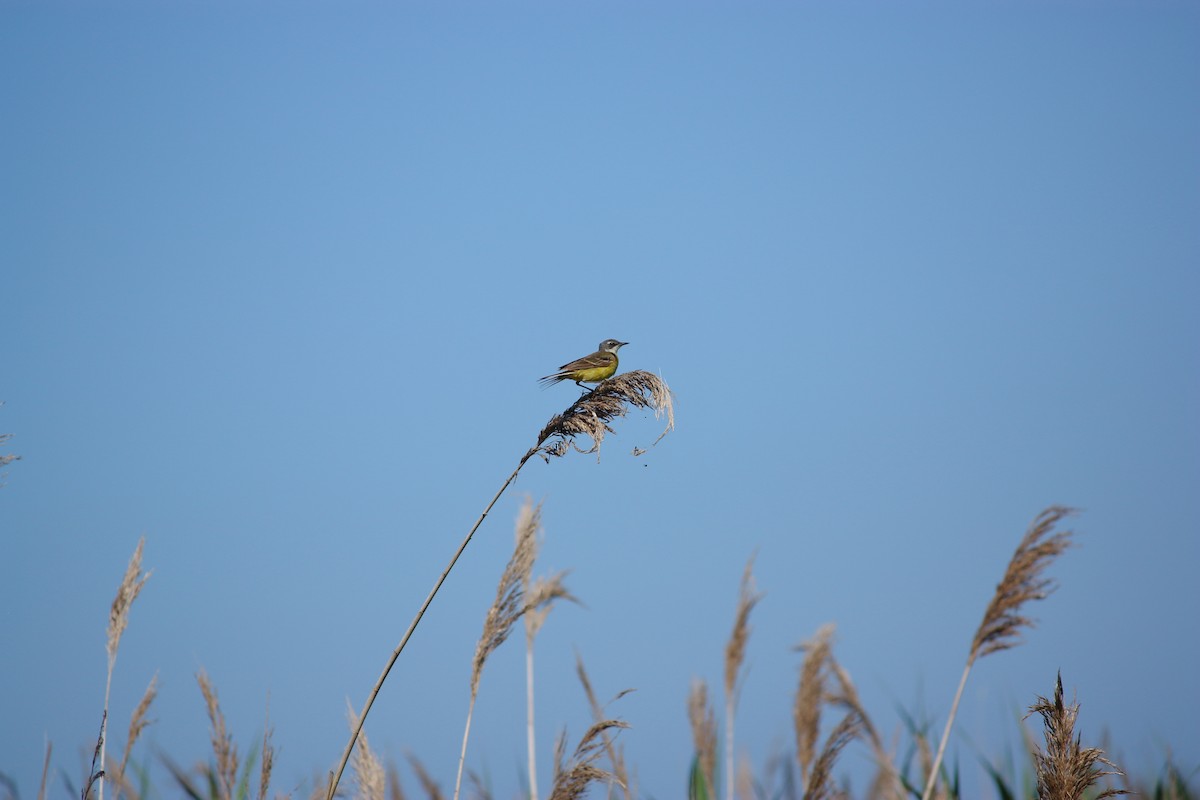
{"x": 550, "y": 380}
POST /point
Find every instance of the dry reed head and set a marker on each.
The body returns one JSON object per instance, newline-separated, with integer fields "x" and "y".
{"x": 591, "y": 414}
{"x": 540, "y": 593}
{"x": 137, "y": 723}
{"x": 368, "y": 770}
{"x": 616, "y": 755}
{"x": 268, "y": 757}
{"x": 735, "y": 648}
{"x": 806, "y": 710}
{"x": 432, "y": 790}
{"x": 540, "y": 596}
{"x": 572, "y": 781}
{"x": 1065, "y": 770}
{"x": 820, "y": 783}
{"x": 131, "y": 586}
{"x": 509, "y": 604}
{"x": 1023, "y": 581}
{"x": 704, "y": 731}
{"x": 222, "y": 741}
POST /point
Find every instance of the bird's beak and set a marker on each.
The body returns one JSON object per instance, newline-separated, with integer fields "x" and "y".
{"x": 622, "y": 344}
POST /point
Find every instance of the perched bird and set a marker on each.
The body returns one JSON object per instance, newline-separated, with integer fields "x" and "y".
{"x": 600, "y": 365}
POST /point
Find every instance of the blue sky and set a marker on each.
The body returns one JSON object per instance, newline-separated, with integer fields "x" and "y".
{"x": 278, "y": 281}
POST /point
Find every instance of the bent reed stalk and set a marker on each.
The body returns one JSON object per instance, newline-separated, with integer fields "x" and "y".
{"x": 589, "y": 416}
{"x": 1003, "y": 621}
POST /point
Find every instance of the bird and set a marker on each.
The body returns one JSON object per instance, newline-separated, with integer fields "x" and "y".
{"x": 599, "y": 366}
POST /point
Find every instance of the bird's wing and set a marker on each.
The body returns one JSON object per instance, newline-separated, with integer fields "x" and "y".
{"x": 594, "y": 361}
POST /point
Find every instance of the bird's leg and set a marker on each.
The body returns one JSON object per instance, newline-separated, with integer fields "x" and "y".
{"x": 586, "y": 390}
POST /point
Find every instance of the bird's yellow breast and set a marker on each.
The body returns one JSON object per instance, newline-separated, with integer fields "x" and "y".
{"x": 594, "y": 374}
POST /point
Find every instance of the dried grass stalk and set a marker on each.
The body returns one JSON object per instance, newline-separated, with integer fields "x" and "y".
{"x": 540, "y": 594}
{"x": 1003, "y": 621}
{"x": 222, "y": 740}
{"x": 1065, "y": 770}
{"x": 703, "y": 722}
{"x": 506, "y": 609}
{"x": 118, "y": 620}
{"x": 571, "y": 781}
{"x": 735, "y": 655}
{"x": 589, "y": 415}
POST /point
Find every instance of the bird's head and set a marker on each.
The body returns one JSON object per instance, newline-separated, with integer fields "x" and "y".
{"x": 611, "y": 345}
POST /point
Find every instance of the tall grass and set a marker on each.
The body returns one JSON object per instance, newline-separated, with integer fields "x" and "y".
{"x": 826, "y": 701}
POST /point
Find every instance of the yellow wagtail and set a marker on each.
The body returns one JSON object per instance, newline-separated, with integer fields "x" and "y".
{"x": 599, "y": 366}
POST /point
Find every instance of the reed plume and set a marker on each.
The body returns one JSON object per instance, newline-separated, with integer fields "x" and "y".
{"x": 118, "y": 620}
{"x": 590, "y": 416}
{"x": 1065, "y": 770}
{"x": 506, "y": 609}
{"x": 616, "y": 754}
{"x": 735, "y": 655}
{"x": 268, "y": 755}
{"x": 572, "y": 780}
{"x": 1003, "y": 621}
{"x": 368, "y": 769}
{"x": 810, "y": 697}
{"x": 820, "y": 784}
{"x": 137, "y": 723}
{"x": 224, "y": 751}
{"x": 824, "y": 681}
{"x": 888, "y": 785}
